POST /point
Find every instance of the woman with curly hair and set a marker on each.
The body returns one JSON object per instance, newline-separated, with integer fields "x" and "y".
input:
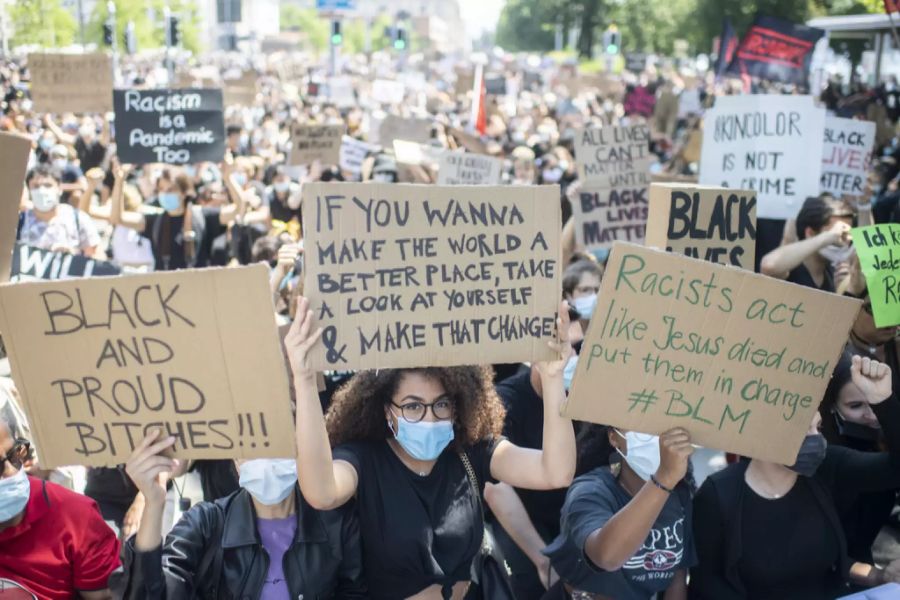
{"x": 407, "y": 443}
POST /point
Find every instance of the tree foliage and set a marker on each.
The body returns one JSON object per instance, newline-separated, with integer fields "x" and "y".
{"x": 149, "y": 22}
{"x": 41, "y": 22}
{"x": 317, "y": 30}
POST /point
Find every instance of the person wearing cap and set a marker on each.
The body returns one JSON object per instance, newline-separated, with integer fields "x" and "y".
{"x": 823, "y": 232}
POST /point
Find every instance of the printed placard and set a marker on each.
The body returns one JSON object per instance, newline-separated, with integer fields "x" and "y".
{"x": 878, "y": 248}
{"x": 713, "y": 224}
{"x": 847, "y": 152}
{"x": 422, "y": 275}
{"x": 78, "y": 83}
{"x": 310, "y": 143}
{"x": 738, "y": 359}
{"x": 354, "y": 153}
{"x": 464, "y": 168}
{"x": 14, "y": 153}
{"x": 100, "y": 362}
{"x": 30, "y": 263}
{"x": 771, "y": 144}
{"x": 178, "y": 127}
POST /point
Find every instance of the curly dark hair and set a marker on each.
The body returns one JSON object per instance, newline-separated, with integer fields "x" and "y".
{"x": 357, "y": 411}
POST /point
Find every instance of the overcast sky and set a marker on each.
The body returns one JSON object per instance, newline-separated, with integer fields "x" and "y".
{"x": 480, "y": 14}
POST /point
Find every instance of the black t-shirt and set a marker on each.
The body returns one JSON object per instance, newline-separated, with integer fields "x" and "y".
{"x": 802, "y": 276}
{"x": 524, "y": 426}
{"x": 89, "y": 155}
{"x": 166, "y": 234}
{"x": 789, "y": 549}
{"x": 110, "y": 485}
{"x": 279, "y": 209}
{"x": 416, "y": 531}
{"x": 592, "y": 501}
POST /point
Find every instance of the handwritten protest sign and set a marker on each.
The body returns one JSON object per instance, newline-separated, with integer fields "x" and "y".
{"x": 240, "y": 91}
{"x": 614, "y": 163}
{"x": 457, "y": 168}
{"x": 714, "y": 224}
{"x": 878, "y": 247}
{"x": 14, "y": 152}
{"x": 396, "y": 128}
{"x": 739, "y": 359}
{"x": 387, "y": 91}
{"x": 79, "y": 83}
{"x": 30, "y": 262}
{"x": 771, "y": 144}
{"x": 353, "y": 153}
{"x": 417, "y": 275}
{"x": 193, "y": 353}
{"x": 847, "y": 152}
{"x": 310, "y": 143}
{"x": 169, "y": 126}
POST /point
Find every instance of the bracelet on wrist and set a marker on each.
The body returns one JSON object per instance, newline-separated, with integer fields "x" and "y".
{"x": 656, "y": 482}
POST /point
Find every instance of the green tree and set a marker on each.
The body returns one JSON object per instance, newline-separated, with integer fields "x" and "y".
{"x": 41, "y": 22}
{"x": 653, "y": 27}
{"x": 528, "y": 25}
{"x": 149, "y": 23}
{"x": 308, "y": 22}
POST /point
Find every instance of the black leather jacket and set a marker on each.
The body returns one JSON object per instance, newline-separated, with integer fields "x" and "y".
{"x": 324, "y": 561}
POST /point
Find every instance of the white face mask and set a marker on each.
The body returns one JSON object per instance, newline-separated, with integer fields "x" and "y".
{"x": 14, "y": 494}
{"x": 642, "y": 453}
{"x": 44, "y": 199}
{"x": 59, "y": 163}
{"x": 835, "y": 253}
{"x": 269, "y": 480}
{"x": 383, "y": 177}
{"x": 586, "y": 305}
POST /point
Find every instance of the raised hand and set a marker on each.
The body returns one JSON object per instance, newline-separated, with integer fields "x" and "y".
{"x": 872, "y": 378}
{"x": 675, "y": 451}
{"x": 300, "y": 339}
{"x": 554, "y": 368}
{"x": 149, "y": 469}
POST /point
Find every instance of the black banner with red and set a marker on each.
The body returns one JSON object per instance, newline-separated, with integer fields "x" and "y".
{"x": 776, "y": 50}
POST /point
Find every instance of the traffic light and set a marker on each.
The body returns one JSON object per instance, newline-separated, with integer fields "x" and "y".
{"x": 336, "y": 36}
{"x": 130, "y": 38}
{"x": 108, "y": 34}
{"x": 174, "y": 31}
{"x": 400, "y": 39}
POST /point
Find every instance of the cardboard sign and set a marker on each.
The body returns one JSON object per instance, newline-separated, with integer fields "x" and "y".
{"x": 713, "y": 224}
{"x": 240, "y": 91}
{"x": 353, "y": 153}
{"x": 614, "y": 163}
{"x": 310, "y": 143}
{"x": 458, "y": 168}
{"x": 386, "y": 91}
{"x": 878, "y": 247}
{"x": 418, "y": 275}
{"x": 738, "y": 359}
{"x": 14, "y": 152}
{"x": 79, "y": 83}
{"x": 169, "y": 126}
{"x": 771, "y": 144}
{"x": 100, "y": 362}
{"x": 30, "y": 263}
{"x": 397, "y": 128}
{"x": 411, "y": 153}
{"x": 847, "y": 152}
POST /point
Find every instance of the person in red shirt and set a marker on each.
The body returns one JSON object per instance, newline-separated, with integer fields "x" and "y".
{"x": 53, "y": 542}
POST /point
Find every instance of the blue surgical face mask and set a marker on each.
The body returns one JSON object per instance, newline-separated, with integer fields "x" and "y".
{"x": 14, "y": 494}
{"x": 569, "y": 371}
{"x": 282, "y": 186}
{"x": 170, "y": 201}
{"x": 586, "y": 305}
{"x": 424, "y": 440}
{"x": 46, "y": 144}
{"x": 269, "y": 480}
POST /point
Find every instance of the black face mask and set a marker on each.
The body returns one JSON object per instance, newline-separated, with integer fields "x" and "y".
{"x": 855, "y": 430}
{"x": 811, "y": 455}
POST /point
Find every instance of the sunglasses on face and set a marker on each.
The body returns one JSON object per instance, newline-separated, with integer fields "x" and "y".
{"x": 12, "y": 457}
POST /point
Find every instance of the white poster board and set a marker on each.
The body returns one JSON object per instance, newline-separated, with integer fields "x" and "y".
{"x": 846, "y": 155}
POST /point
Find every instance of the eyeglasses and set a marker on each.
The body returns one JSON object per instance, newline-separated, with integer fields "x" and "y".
{"x": 415, "y": 411}
{"x": 21, "y": 447}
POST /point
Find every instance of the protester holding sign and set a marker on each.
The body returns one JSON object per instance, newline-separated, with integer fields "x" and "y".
{"x": 823, "y": 230}
{"x": 51, "y": 225}
{"x": 765, "y": 530}
{"x": 392, "y": 432}
{"x": 262, "y": 541}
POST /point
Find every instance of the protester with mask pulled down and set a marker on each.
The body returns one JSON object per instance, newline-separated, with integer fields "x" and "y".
{"x": 626, "y": 530}
{"x": 412, "y": 445}
{"x": 765, "y": 530}
{"x": 261, "y": 542}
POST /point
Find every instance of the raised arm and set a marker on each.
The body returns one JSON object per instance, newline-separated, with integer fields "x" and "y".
{"x": 117, "y": 214}
{"x": 553, "y": 466}
{"x": 62, "y": 136}
{"x": 324, "y": 482}
{"x": 782, "y": 260}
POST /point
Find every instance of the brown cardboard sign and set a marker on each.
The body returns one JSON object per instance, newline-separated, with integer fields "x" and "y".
{"x": 79, "y": 83}
{"x": 399, "y": 128}
{"x": 14, "y": 151}
{"x": 713, "y": 224}
{"x": 240, "y": 91}
{"x": 312, "y": 143}
{"x": 424, "y": 275}
{"x": 195, "y": 353}
{"x": 465, "y": 168}
{"x": 739, "y": 359}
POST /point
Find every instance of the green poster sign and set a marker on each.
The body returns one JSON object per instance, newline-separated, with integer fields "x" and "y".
{"x": 878, "y": 247}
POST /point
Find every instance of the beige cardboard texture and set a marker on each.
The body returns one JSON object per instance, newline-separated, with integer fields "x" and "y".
{"x": 424, "y": 275}
{"x": 78, "y": 83}
{"x": 312, "y": 143}
{"x": 410, "y": 129}
{"x": 713, "y": 224}
{"x": 603, "y": 216}
{"x": 14, "y": 151}
{"x": 738, "y": 359}
{"x": 195, "y": 353}
{"x": 464, "y": 168}
{"x": 614, "y": 157}
{"x": 240, "y": 91}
